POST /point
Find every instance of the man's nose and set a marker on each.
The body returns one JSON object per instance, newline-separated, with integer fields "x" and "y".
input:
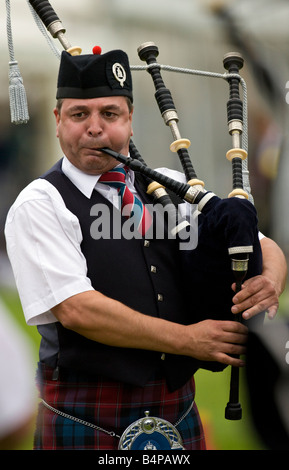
{"x": 95, "y": 125}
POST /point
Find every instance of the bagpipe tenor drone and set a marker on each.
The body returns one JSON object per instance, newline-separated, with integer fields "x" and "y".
{"x": 228, "y": 248}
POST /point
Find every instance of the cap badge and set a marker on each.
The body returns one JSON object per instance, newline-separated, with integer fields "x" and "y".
{"x": 119, "y": 73}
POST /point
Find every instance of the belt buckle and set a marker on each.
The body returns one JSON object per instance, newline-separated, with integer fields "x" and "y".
{"x": 150, "y": 433}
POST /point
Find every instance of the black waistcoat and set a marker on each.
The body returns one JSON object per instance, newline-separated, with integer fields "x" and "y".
{"x": 145, "y": 276}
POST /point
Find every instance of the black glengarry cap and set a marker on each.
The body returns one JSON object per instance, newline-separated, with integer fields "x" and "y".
{"x": 94, "y": 75}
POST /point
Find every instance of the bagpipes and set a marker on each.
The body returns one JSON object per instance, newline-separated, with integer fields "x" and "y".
{"x": 225, "y": 226}
{"x": 228, "y": 246}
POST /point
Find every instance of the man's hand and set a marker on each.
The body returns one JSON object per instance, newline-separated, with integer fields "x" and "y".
{"x": 257, "y": 295}
{"x": 217, "y": 340}
{"x": 261, "y": 293}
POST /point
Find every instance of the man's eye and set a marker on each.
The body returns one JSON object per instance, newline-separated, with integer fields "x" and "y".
{"x": 78, "y": 115}
{"x": 109, "y": 114}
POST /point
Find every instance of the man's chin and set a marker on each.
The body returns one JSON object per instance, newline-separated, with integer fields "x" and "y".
{"x": 97, "y": 163}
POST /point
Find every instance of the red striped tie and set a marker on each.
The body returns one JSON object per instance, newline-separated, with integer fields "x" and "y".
{"x": 131, "y": 206}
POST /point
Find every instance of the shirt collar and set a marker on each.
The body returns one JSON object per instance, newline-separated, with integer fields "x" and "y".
{"x": 84, "y": 182}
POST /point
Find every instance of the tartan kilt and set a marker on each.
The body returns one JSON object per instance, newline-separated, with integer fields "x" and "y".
{"x": 112, "y": 406}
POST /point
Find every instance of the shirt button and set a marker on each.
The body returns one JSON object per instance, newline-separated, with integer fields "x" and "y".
{"x": 160, "y": 297}
{"x": 153, "y": 269}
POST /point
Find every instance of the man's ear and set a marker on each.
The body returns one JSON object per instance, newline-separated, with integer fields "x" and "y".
{"x": 57, "y": 118}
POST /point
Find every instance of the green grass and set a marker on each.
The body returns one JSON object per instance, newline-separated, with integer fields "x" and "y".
{"x": 212, "y": 394}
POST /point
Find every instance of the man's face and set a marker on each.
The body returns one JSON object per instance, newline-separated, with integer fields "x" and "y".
{"x": 84, "y": 126}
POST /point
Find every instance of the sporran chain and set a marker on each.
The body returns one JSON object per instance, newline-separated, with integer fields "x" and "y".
{"x": 98, "y": 428}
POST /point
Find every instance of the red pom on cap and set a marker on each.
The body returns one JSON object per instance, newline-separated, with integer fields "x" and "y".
{"x": 96, "y": 50}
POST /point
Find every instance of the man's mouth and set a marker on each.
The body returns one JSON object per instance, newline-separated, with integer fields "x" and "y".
{"x": 93, "y": 151}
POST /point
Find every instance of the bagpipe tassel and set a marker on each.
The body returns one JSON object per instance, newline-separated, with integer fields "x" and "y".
{"x": 17, "y": 93}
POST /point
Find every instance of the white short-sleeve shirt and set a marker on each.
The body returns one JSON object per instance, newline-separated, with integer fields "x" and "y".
{"x": 43, "y": 242}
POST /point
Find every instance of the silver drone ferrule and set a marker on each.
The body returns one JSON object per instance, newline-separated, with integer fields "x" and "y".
{"x": 240, "y": 265}
{"x": 57, "y": 30}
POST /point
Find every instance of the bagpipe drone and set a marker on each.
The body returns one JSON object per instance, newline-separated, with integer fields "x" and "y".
{"x": 228, "y": 248}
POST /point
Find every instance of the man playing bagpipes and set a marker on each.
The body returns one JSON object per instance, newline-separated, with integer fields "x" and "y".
{"x": 119, "y": 342}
